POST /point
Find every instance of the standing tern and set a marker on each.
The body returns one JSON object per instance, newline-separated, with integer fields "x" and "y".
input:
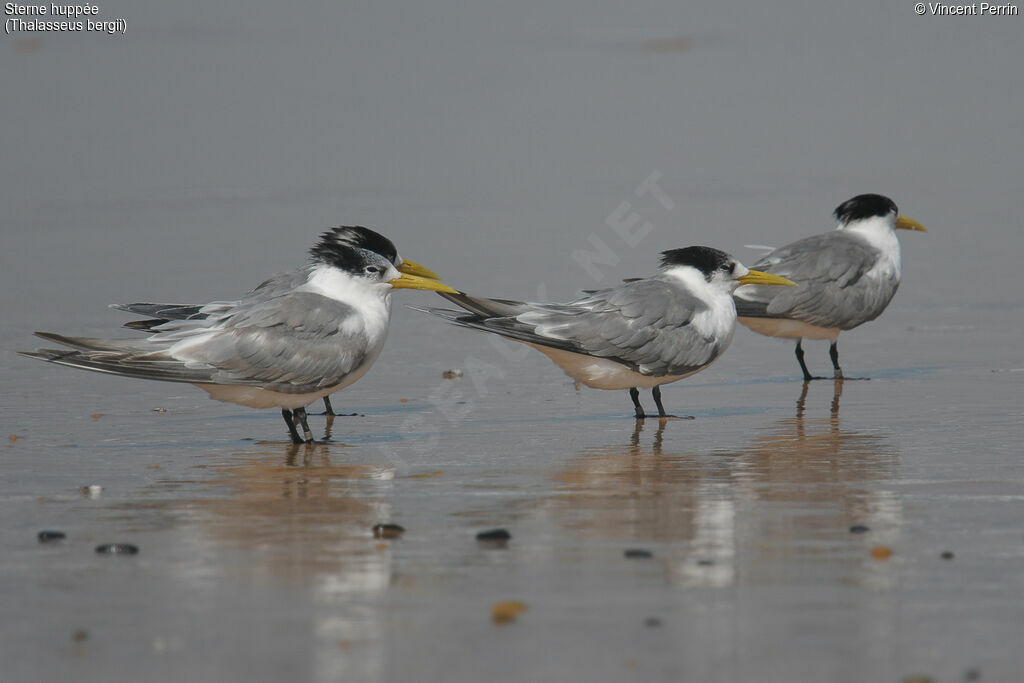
{"x": 298, "y": 337}
{"x": 354, "y": 236}
{"x": 845, "y": 278}
{"x": 644, "y": 333}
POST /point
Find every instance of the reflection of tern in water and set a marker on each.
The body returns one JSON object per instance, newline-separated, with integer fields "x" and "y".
{"x": 715, "y": 518}
{"x": 289, "y": 519}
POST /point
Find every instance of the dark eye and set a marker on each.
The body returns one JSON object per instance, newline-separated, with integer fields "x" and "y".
{"x": 726, "y": 267}
{"x": 372, "y": 269}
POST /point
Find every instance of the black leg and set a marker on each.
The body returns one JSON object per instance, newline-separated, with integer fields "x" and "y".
{"x": 287, "y": 415}
{"x": 800, "y": 359}
{"x": 656, "y": 393}
{"x": 300, "y": 415}
{"x": 833, "y": 353}
{"x": 634, "y": 394}
{"x": 328, "y": 408}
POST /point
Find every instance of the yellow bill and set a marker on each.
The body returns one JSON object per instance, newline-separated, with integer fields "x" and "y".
{"x": 411, "y": 268}
{"x": 407, "y": 281}
{"x": 905, "y": 223}
{"x": 756, "y": 277}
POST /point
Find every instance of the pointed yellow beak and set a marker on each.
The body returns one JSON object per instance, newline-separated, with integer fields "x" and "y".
{"x": 411, "y": 268}
{"x": 756, "y": 277}
{"x": 407, "y": 281}
{"x": 905, "y": 223}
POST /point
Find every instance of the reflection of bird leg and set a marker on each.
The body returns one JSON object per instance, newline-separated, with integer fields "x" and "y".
{"x": 289, "y": 454}
{"x": 634, "y": 441}
{"x": 801, "y": 403}
{"x": 287, "y": 415}
{"x": 634, "y": 394}
{"x": 327, "y": 426}
{"x": 658, "y": 437}
{"x": 837, "y": 393}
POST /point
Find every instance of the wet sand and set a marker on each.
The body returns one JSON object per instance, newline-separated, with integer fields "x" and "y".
{"x": 493, "y": 149}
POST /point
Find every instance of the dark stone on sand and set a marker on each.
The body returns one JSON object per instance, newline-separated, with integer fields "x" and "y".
{"x": 652, "y": 622}
{"x": 638, "y": 554}
{"x": 117, "y": 549}
{"x": 49, "y": 535}
{"x": 947, "y": 555}
{"x": 705, "y": 563}
{"x": 859, "y": 529}
{"x": 387, "y": 530}
{"x": 494, "y": 536}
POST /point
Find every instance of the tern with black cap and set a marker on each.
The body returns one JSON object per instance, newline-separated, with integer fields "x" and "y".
{"x": 844, "y": 278}
{"x": 296, "y": 338}
{"x": 641, "y": 334}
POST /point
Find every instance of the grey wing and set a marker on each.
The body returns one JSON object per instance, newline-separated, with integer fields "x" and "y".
{"x": 296, "y": 343}
{"x": 831, "y": 289}
{"x": 645, "y": 325}
{"x": 160, "y": 313}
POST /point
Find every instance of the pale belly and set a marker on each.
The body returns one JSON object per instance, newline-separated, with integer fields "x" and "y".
{"x": 254, "y": 397}
{"x": 601, "y": 373}
{"x": 789, "y": 329}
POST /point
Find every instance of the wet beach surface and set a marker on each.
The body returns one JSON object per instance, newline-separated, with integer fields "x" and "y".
{"x": 749, "y": 543}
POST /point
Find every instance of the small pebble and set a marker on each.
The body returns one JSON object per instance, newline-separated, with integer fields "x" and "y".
{"x": 117, "y": 549}
{"x": 947, "y": 555}
{"x": 47, "y": 536}
{"x": 13, "y": 438}
{"x": 159, "y": 410}
{"x": 972, "y": 674}
{"x": 917, "y": 679}
{"x": 80, "y": 635}
{"x": 880, "y": 552}
{"x": 652, "y": 622}
{"x": 494, "y": 536}
{"x": 97, "y": 416}
{"x": 859, "y": 529}
{"x": 638, "y": 554}
{"x": 705, "y": 563}
{"x": 506, "y": 611}
{"x": 452, "y": 374}
{"x": 92, "y": 491}
{"x": 387, "y": 530}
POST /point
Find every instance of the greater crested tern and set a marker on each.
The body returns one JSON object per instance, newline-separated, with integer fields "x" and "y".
{"x": 844, "y": 278}
{"x": 644, "y": 333}
{"x": 296, "y": 338}
{"x": 352, "y": 235}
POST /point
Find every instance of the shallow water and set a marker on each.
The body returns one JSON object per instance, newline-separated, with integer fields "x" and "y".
{"x": 205, "y": 149}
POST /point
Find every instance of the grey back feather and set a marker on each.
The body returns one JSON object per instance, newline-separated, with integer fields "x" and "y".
{"x": 645, "y": 325}
{"x": 830, "y": 292}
